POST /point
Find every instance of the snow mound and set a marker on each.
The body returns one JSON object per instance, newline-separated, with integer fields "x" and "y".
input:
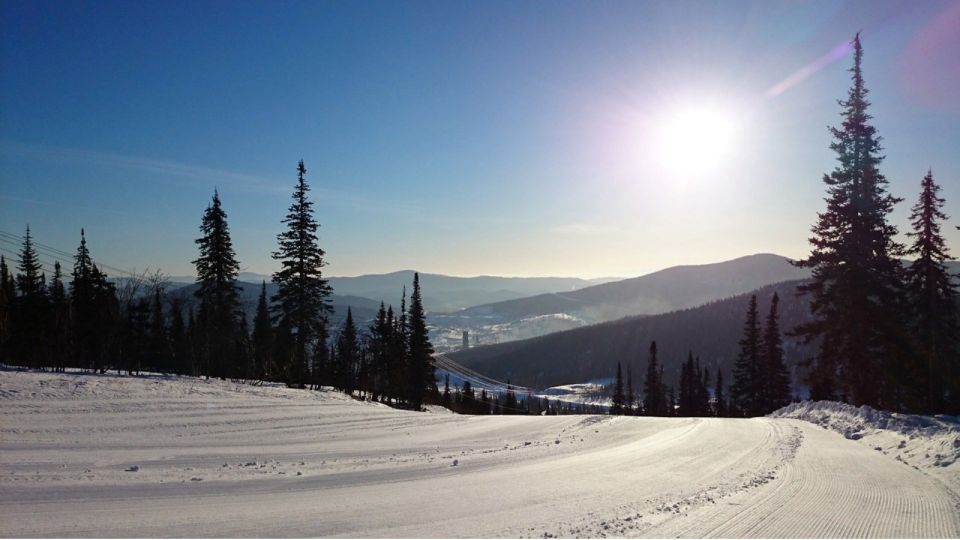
{"x": 928, "y": 443}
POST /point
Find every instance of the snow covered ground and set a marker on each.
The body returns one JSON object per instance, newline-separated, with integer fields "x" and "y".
{"x": 85, "y": 455}
{"x": 927, "y": 443}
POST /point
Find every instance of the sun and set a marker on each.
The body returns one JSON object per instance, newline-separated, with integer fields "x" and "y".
{"x": 694, "y": 141}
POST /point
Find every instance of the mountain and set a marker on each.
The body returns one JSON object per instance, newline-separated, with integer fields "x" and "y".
{"x": 667, "y": 290}
{"x": 711, "y": 331}
{"x": 447, "y": 293}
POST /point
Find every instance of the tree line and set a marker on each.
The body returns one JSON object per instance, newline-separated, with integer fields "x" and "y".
{"x": 135, "y": 325}
{"x": 887, "y": 334}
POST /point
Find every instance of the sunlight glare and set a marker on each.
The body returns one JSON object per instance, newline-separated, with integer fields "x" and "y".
{"x": 695, "y": 141}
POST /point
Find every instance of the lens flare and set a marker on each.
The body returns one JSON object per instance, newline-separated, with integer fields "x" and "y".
{"x": 697, "y": 140}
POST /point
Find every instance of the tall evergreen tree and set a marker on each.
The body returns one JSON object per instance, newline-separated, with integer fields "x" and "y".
{"x": 181, "y": 360}
{"x": 60, "y": 320}
{"x": 702, "y": 403}
{"x": 348, "y": 356}
{"x": 262, "y": 336}
{"x": 746, "y": 392}
{"x": 219, "y": 303}
{"x": 160, "y": 353}
{"x": 32, "y": 309}
{"x": 933, "y": 303}
{"x": 380, "y": 336}
{"x": 95, "y": 312}
{"x": 303, "y": 296}
{"x": 8, "y": 297}
{"x": 685, "y": 397}
{"x": 631, "y": 397}
{"x": 775, "y": 376}
{"x": 855, "y": 289}
{"x": 619, "y": 399}
{"x": 421, "y": 377}
{"x": 654, "y": 400}
{"x": 719, "y": 396}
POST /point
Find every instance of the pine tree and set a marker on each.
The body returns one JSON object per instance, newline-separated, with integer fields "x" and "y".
{"x": 399, "y": 350}
{"x": 60, "y": 322}
{"x": 618, "y": 397}
{"x": 380, "y": 336}
{"x": 683, "y": 408}
{"x": 219, "y": 304}
{"x": 719, "y": 397}
{"x": 31, "y": 309}
{"x": 775, "y": 376}
{"x": 420, "y": 370}
{"x": 95, "y": 312}
{"x": 244, "y": 350}
{"x": 136, "y": 335}
{"x": 160, "y": 354}
{"x": 933, "y": 303}
{"x": 653, "y": 396}
{"x": 703, "y": 395}
{"x": 855, "y": 289}
{"x": 262, "y": 337}
{"x": 347, "y": 356}
{"x": 631, "y": 395}
{"x": 182, "y": 363}
{"x": 8, "y": 297}
{"x": 747, "y": 388}
{"x": 303, "y": 296}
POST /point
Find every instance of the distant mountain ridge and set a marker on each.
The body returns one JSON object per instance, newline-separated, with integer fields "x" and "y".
{"x": 670, "y": 289}
{"x": 711, "y": 331}
{"x": 441, "y": 293}
{"x": 673, "y": 288}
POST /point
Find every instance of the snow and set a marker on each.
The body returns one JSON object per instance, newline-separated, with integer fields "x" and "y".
{"x": 104, "y": 455}
{"x": 930, "y": 444}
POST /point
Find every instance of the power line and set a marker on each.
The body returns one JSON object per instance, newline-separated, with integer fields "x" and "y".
{"x": 56, "y": 253}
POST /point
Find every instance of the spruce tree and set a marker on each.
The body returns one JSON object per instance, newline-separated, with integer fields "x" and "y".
{"x": 719, "y": 397}
{"x": 653, "y": 396}
{"x": 855, "y": 289}
{"x": 380, "y": 335}
{"x": 219, "y": 304}
{"x": 618, "y": 397}
{"x": 95, "y": 312}
{"x": 703, "y": 394}
{"x": 631, "y": 397}
{"x": 303, "y": 296}
{"x": 933, "y": 306}
{"x": 347, "y": 356}
{"x": 31, "y": 308}
{"x": 421, "y": 378}
{"x": 8, "y": 297}
{"x": 181, "y": 363}
{"x": 244, "y": 350}
{"x": 683, "y": 404}
{"x": 775, "y": 382}
{"x": 160, "y": 353}
{"x": 747, "y": 388}
{"x": 60, "y": 322}
{"x": 262, "y": 337}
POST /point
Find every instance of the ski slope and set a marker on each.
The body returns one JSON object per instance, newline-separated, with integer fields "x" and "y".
{"x": 107, "y": 456}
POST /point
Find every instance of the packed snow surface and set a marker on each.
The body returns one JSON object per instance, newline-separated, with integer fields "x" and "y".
{"x": 927, "y": 443}
{"x": 85, "y": 455}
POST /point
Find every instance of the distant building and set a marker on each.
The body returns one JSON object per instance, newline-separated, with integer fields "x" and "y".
{"x": 466, "y": 339}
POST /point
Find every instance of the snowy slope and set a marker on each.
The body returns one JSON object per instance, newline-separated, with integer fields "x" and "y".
{"x": 84, "y": 455}
{"x": 928, "y": 443}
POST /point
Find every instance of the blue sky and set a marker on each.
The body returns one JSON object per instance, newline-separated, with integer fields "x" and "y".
{"x": 509, "y": 138}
